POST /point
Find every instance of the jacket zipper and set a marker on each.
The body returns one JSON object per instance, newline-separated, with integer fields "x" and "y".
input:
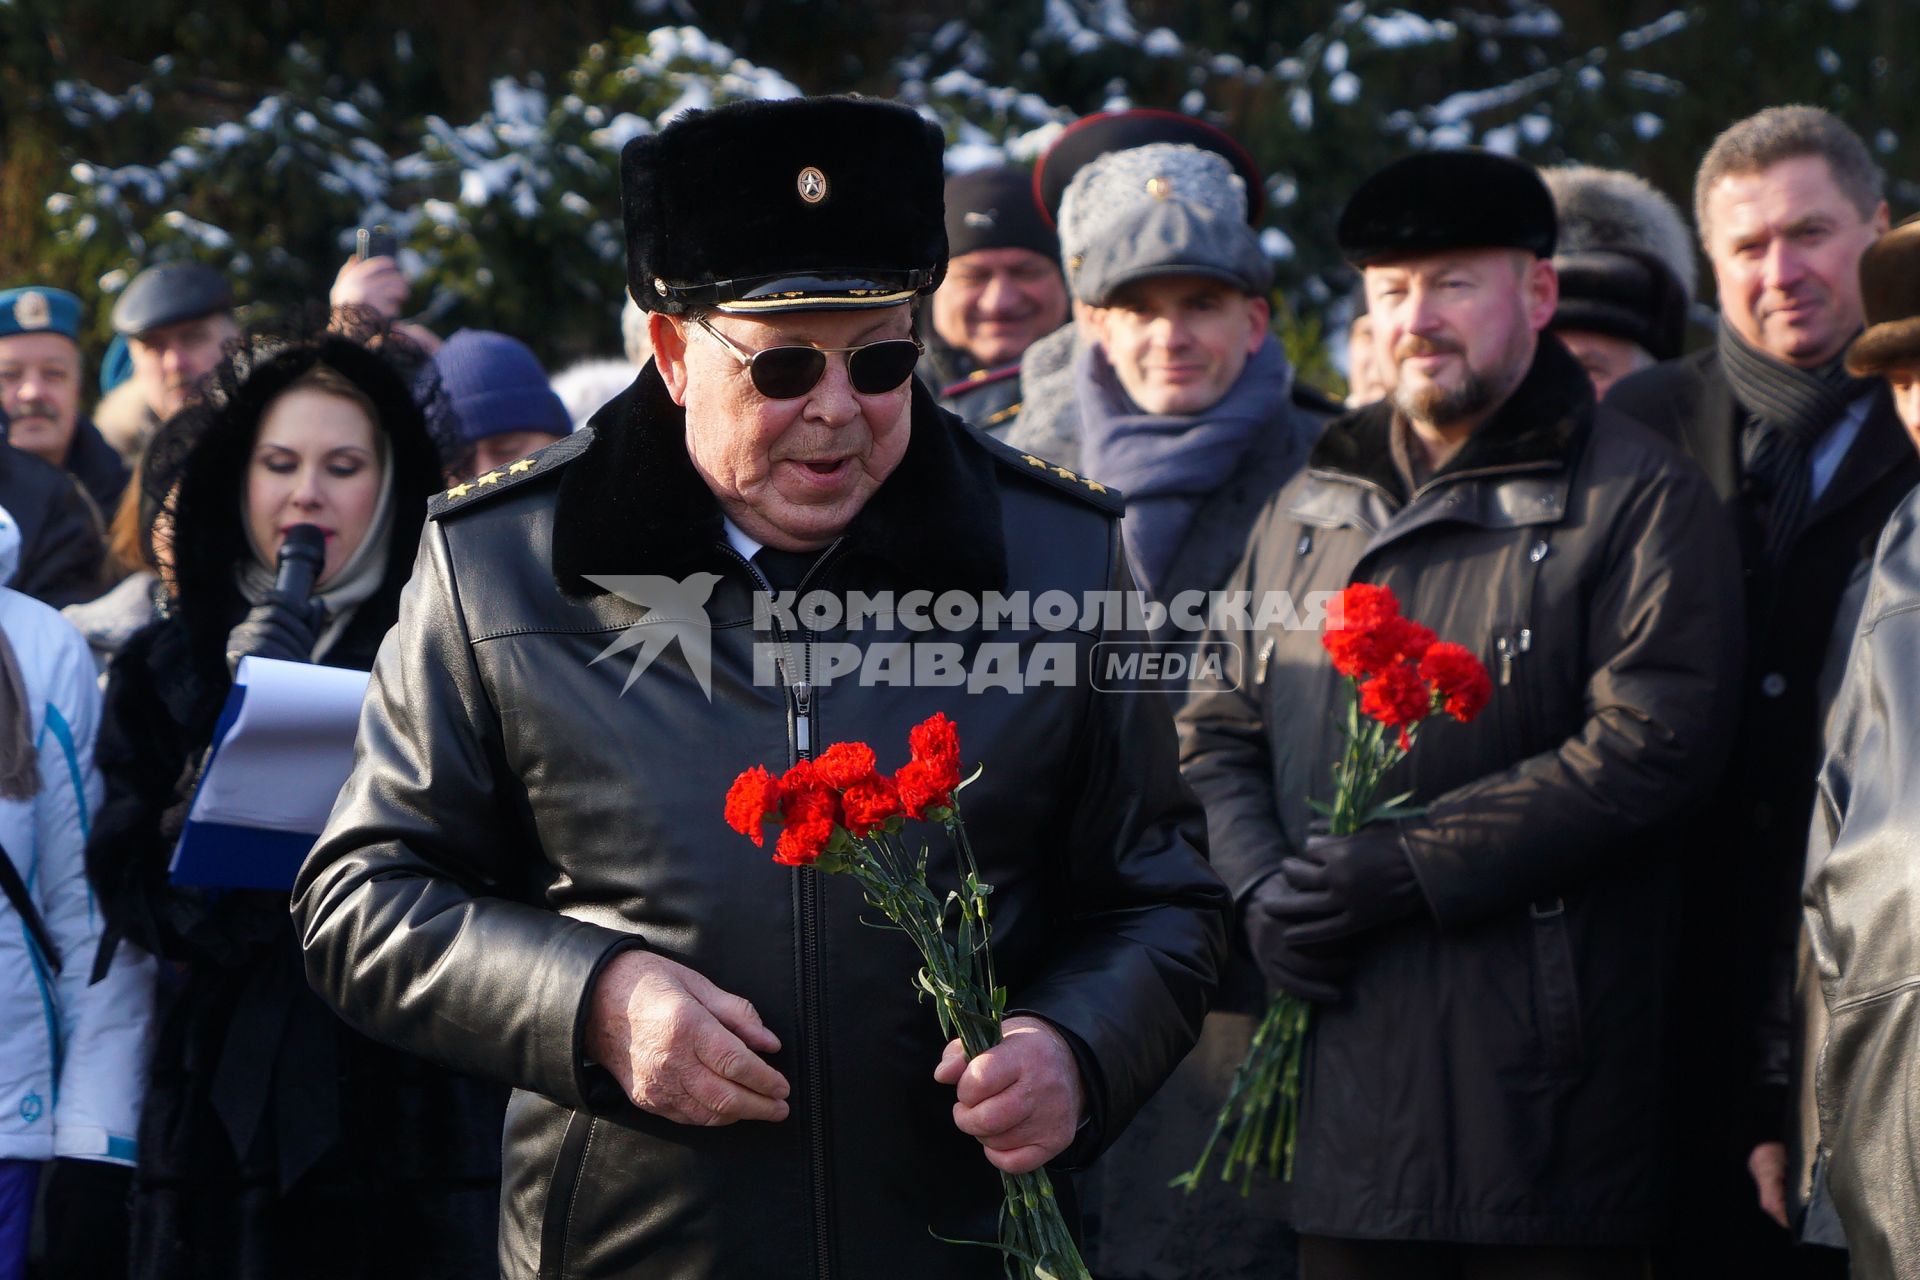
{"x": 813, "y": 1052}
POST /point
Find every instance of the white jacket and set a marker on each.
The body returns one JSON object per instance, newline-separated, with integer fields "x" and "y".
{"x": 73, "y": 1057}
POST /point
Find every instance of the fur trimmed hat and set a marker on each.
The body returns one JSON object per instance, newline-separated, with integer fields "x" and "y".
{"x": 787, "y": 205}
{"x": 1890, "y": 290}
{"x": 1613, "y": 209}
{"x": 1436, "y": 201}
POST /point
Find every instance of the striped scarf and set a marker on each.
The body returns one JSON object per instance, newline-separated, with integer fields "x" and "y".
{"x": 1788, "y": 410}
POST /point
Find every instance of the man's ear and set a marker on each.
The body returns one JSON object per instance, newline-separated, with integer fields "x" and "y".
{"x": 669, "y": 337}
{"x": 1259, "y": 322}
{"x": 1540, "y": 292}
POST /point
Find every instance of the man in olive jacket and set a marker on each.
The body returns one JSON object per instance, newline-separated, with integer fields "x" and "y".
{"x": 722, "y": 1069}
{"x": 1483, "y": 1085}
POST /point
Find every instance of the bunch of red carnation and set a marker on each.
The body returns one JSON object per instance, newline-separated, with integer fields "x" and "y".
{"x": 843, "y": 790}
{"x": 1404, "y": 672}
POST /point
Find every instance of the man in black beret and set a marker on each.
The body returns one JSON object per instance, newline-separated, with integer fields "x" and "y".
{"x": 723, "y": 1070}
{"x": 1482, "y": 1088}
{"x": 1003, "y": 292}
{"x": 176, "y": 318}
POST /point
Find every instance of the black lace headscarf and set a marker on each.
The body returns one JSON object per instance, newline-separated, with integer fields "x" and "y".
{"x": 196, "y": 469}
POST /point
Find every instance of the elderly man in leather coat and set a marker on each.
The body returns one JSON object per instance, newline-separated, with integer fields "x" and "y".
{"x": 1482, "y": 1092}
{"x": 722, "y": 1069}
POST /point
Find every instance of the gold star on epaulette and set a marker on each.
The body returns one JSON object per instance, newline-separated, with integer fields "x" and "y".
{"x": 1032, "y": 461}
{"x": 524, "y": 465}
{"x": 1065, "y": 474}
{"x": 460, "y": 491}
{"x": 492, "y": 477}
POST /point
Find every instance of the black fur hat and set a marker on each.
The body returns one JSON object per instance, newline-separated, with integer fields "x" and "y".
{"x": 1625, "y": 293}
{"x": 801, "y": 203}
{"x": 1434, "y": 201}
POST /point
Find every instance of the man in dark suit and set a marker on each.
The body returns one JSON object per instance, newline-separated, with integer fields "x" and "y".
{"x": 1811, "y": 460}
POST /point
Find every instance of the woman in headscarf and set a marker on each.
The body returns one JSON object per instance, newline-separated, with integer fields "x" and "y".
{"x": 275, "y": 1141}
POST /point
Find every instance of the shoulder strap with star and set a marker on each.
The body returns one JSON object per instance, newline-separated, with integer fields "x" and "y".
{"x": 470, "y": 493}
{"x": 1108, "y": 499}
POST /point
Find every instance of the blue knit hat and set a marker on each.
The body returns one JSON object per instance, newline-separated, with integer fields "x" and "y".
{"x": 495, "y": 384}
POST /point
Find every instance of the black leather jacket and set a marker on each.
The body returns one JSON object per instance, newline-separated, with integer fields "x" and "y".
{"x": 1494, "y": 1074}
{"x": 1859, "y": 911}
{"x": 515, "y": 819}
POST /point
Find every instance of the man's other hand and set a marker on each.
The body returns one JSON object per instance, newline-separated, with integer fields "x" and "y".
{"x": 681, "y": 1047}
{"x": 1022, "y": 1098}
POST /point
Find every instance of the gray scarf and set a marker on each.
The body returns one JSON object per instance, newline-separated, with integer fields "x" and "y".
{"x": 1167, "y": 465}
{"x": 1789, "y": 409}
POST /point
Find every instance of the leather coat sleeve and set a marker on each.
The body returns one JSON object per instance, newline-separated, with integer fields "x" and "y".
{"x": 1224, "y": 751}
{"x": 408, "y": 908}
{"x": 1139, "y": 960}
{"x": 1859, "y": 909}
{"x": 1664, "y": 653}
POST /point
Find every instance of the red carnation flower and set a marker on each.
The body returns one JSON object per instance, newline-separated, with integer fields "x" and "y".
{"x": 810, "y": 818}
{"x": 869, "y": 803}
{"x": 1365, "y": 632}
{"x": 751, "y": 800}
{"x": 802, "y": 775}
{"x": 844, "y": 763}
{"x": 921, "y": 788}
{"x": 1362, "y": 607}
{"x": 1397, "y": 697}
{"x": 1459, "y": 679}
{"x": 936, "y": 746}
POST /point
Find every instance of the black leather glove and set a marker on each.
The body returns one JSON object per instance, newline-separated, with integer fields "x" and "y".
{"x": 277, "y": 627}
{"x": 1308, "y": 972}
{"x": 1347, "y": 885}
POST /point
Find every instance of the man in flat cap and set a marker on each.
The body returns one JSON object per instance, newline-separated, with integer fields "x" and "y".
{"x": 1049, "y": 420}
{"x": 1860, "y": 886}
{"x": 176, "y": 318}
{"x": 722, "y": 1069}
{"x": 61, "y": 539}
{"x": 1811, "y": 460}
{"x": 1482, "y": 1090}
{"x": 1003, "y": 293}
{"x": 1626, "y": 265}
{"x": 1187, "y": 404}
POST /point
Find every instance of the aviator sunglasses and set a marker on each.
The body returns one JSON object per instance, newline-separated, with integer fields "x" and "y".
{"x": 787, "y": 373}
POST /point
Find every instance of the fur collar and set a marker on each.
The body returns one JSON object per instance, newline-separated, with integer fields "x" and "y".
{"x": 1541, "y": 423}
{"x": 633, "y": 503}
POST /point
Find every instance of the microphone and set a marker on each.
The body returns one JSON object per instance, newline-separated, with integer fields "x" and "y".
{"x": 301, "y": 554}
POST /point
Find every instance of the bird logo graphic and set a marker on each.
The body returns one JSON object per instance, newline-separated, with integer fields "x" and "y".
{"x": 676, "y": 610}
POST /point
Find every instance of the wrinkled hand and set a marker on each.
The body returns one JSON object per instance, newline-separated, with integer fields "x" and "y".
{"x": 681, "y": 1047}
{"x": 1022, "y": 1098}
{"x": 1311, "y": 973}
{"x": 1768, "y": 1165}
{"x": 376, "y": 283}
{"x": 277, "y": 627}
{"x": 1347, "y": 885}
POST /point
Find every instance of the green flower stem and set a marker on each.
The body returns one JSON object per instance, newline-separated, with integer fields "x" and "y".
{"x": 958, "y": 975}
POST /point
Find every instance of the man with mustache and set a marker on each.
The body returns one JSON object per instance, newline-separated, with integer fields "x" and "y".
{"x": 61, "y": 543}
{"x": 1482, "y": 1088}
{"x": 40, "y": 382}
{"x": 1811, "y": 460}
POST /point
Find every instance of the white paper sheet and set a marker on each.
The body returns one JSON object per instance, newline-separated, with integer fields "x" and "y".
{"x": 288, "y": 754}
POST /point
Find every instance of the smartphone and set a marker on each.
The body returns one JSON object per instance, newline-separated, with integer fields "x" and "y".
{"x": 374, "y": 242}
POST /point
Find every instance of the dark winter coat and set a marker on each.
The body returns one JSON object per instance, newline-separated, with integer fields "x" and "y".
{"x": 1494, "y": 1073}
{"x": 98, "y": 468}
{"x": 515, "y": 819}
{"x": 268, "y": 1124}
{"x": 1754, "y": 844}
{"x": 61, "y": 538}
{"x": 1139, "y": 1228}
{"x": 987, "y": 397}
{"x": 1860, "y": 904}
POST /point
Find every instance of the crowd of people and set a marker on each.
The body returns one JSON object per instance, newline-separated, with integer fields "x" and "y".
{"x": 1594, "y": 1004}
